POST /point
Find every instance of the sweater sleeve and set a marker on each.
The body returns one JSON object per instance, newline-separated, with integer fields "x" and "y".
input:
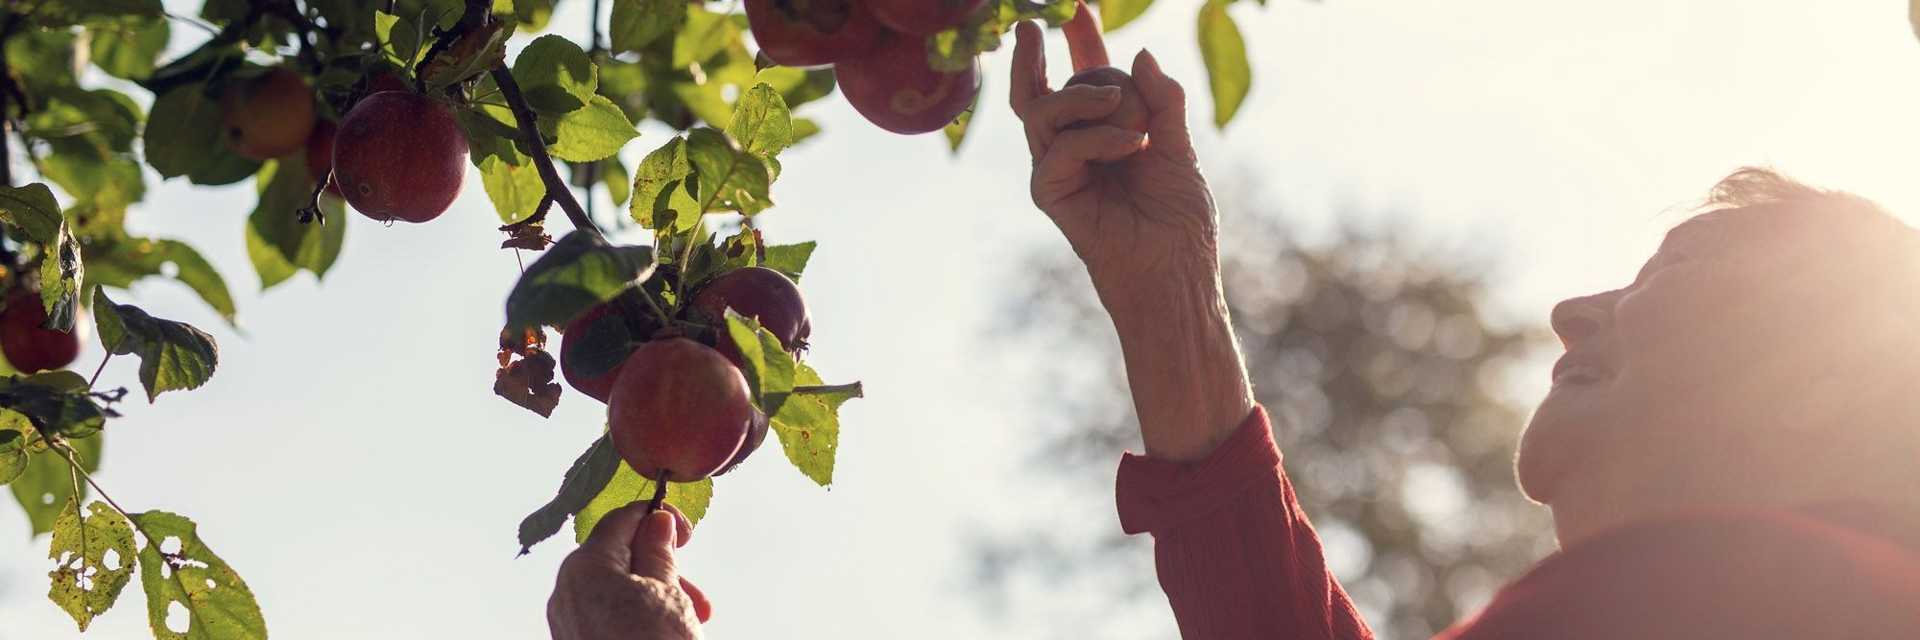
{"x": 1233, "y": 549}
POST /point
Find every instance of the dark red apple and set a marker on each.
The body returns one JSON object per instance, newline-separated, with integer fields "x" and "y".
{"x": 756, "y": 434}
{"x": 678, "y": 410}
{"x": 807, "y": 33}
{"x": 269, "y": 116}
{"x": 320, "y": 154}
{"x": 922, "y": 17}
{"x": 759, "y": 293}
{"x": 29, "y": 347}
{"x": 399, "y": 156}
{"x": 615, "y": 335}
{"x": 894, "y": 86}
{"x": 1091, "y": 67}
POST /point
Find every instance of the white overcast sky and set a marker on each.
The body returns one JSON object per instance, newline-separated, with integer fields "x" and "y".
{"x": 350, "y": 461}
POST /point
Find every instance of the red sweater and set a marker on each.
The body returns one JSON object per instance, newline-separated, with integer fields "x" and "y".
{"x": 1238, "y": 559}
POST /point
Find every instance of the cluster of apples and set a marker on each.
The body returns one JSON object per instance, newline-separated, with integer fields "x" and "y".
{"x": 678, "y": 408}
{"x": 878, "y": 51}
{"x": 397, "y": 155}
{"x": 28, "y": 345}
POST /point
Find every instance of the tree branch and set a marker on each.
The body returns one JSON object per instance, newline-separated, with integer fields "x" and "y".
{"x": 557, "y": 187}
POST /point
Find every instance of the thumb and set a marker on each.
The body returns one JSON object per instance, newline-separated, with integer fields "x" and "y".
{"x": 652, "y": 547}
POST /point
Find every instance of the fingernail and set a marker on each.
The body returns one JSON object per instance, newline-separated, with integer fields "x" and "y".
{"x": 659, "y": 528}
{"x": 1109, "y": 94}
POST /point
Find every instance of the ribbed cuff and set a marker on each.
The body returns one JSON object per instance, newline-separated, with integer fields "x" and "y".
{"x": 1155, "y": 495}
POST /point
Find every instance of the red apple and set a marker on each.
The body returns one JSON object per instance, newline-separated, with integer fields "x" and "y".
{"x": 576, "y": 345}
{"x": 759, "y": 293}
{"x": 922, "y": 17}
{"x": 756, "y": 434}
{"x": 28, "y": 346}
{"x": 895, "y": 87}
{"x": 320, "y": 154}
{"x": 1091, "y": 67}
{"x": 269, "y": 116}
{"x": 678, "y": 410}
{"x": 399, "y": 156}
{"x": 806, "y": 33}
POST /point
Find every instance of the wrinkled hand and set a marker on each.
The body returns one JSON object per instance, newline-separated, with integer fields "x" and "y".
{"x": 621, "y": 583}
{"x": 1135, "y": 208}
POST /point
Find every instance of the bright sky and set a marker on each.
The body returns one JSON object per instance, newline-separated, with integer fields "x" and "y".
{"x": 351, "y": 462}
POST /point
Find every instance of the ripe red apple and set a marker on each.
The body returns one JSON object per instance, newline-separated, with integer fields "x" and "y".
{"x": 806, "y": 33}
{"x": 1132, "y": 114}
{"x": 575, "y": 346}
{"x": 269, "y": 116}
{"x": 320, "y": 154}
{"x": 922, "y": 17}
{"x": 28, "y": 346}
{"x": 678, "y": 411}
{"x": 387, "y": 81}
{"x": 399, "y": 156}
{"x": 756, "y": 434}
{"x": 895, "y": 88}
{"x": 759, "y": 293}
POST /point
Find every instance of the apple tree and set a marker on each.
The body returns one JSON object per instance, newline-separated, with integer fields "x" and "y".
{"x": 692, "y": 336}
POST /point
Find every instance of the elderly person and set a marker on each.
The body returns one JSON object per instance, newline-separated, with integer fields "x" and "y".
{"x": 1731, "y": 448}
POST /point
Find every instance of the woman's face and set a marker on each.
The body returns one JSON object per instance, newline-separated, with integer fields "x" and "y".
{"x": 1668, "y": 381}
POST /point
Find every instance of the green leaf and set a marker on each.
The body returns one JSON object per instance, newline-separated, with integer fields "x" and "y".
{"x": 19, "y": 441}
{"x": 218, "y": 602}
{"x": 122, "y": 262}
{"x": 660, "y": 199}
{"x": 84, "y": 584}
{"x": 127, "y": 48}
{"x": 956, "y": 131}
{"x": 637, "y": 23}
{"x": 488, "y": 137}
{"x": 704, "y": 35}
{"x": 809, "y": 427}
{"x": 769, "y": 368}
{"x": 587, "y": 478}
{"x": 55, "y": 402}
{"x": 595, "y": 132}
{"x": 473, "y": 53}
{"x": 61, "y": 13}
{"x": 47, "y": 484}
{"x": 226, "y": 167}
{"x": 33, "y": 210}
{"x": 277, "y": 242}
{"x": 173, "y": 355}
{"x": 576, "y": 273}
{"x": 1117, "y": 13}
{"x": 515, "y": 190}
{"x": 614, "y": 176}
{"x": 555, "y": 75}
{"x": 627, "y": 486}
{"x": 401, "y": 36}
{"x": 789, "y": 259}
{"x": 60, "y": 274}
{"x": 182, "y": 126}
{"x": 1225, "y": 55}
{"x": 761, "y": 122}
{"x": 532, "y": 14}
{"x": 728, "y": 178}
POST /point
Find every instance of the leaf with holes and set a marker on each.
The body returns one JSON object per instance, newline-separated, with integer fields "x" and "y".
{"x": 728, "y": 178}
{"x": 217, "y": 601}
{"x": 60, "y": 274}
{"x": 761, "y": 122}
{"x": 86, "y": 581}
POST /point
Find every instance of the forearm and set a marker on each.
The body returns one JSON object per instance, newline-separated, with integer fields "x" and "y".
{"x": 1183, "y": 363}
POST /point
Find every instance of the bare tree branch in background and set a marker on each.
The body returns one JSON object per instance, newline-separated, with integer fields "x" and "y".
{"x": 1384, "y": 379}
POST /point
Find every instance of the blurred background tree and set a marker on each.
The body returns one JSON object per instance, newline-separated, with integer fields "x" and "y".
{"x": 1384, "y": 376}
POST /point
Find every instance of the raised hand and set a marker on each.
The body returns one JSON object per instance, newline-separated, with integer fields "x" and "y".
{"x": 621, "y": 583}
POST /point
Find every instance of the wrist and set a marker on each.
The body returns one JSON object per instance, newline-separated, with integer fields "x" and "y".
{"x": 1189, "y": 381}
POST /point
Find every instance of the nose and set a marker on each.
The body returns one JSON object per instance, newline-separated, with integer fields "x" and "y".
{"x": 1577, "y": 320}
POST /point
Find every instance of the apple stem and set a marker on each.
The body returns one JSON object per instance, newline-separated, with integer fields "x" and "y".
{"x": 659, "y": 492}
{"x": 312, "y": 211}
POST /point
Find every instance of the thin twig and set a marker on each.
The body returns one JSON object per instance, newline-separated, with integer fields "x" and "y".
{"x": 97, "y": 370}
{"x": 73, "y": 461}
{"x": 854, "y": 388}
{"x": 557, "y": 187}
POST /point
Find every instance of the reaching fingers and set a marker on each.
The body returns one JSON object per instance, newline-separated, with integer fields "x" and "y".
{"x": 682, "y": 527}
{"x": 611, "y": 536}
{"x": 1165, "y": 99}
{"x": 1048, "y": 115}
{"x": 1084, "y": 43}
{"x": 652, "y": 547}
{"x": 1029, "y": 66}
{"x": 702, "y": 607}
